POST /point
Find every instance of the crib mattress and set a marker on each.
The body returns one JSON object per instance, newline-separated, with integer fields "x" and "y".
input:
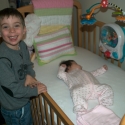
{"x": 59, "y": 91}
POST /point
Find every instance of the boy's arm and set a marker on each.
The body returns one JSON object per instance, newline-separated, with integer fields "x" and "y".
{"x": 27, "y": 59}
{"x": 62, "y": 74}
{"x": 11, "y": 86}
{"x": 99, "y": 71}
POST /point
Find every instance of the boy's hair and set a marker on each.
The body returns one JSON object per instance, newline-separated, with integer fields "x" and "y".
{"x": 7, "y": 12}
{"x": 68, "y": 63}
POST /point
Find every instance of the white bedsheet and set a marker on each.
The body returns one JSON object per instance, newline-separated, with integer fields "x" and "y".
{"x": 58, "y": 90}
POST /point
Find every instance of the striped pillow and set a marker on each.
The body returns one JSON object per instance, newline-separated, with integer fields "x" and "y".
{"x": 50, "y": 46}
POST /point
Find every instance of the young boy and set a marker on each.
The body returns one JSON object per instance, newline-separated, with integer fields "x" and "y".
{"x": 84, "y": 86}
{"x": 17, "y": 82}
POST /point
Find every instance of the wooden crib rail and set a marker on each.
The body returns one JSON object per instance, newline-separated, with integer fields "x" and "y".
{"x": 45, "y": 111}
{"x": 26, "y": 9}
{"x": 79, "y": 26}
{"x": 122, "y": 120}
{"x": 91, "y": 39}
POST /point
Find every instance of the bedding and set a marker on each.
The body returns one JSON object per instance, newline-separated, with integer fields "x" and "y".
{"x": 53, "y": 45}
{"x": 32, "y": 23}
{"x": 59, "y": 91}
{"x": 57, "y": 13}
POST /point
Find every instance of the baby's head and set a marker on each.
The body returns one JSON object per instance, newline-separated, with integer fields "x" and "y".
{"x": 70, "y": 65}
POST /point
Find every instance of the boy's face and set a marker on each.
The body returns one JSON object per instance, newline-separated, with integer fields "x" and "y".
{"x": 12, "y": 31}
{"x": 74, "y": 66}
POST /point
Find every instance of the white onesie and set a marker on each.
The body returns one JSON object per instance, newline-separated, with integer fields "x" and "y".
{"x": 84, "y": 86}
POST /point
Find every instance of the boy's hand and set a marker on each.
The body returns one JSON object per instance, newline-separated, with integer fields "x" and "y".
{"x": 105, "y": 67}
{"x": 32, "y": 82}
{"x": 41, "y": 88}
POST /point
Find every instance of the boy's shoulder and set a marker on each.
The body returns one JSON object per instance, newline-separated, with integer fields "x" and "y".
{"x": 2, "y": 49}
{"x": 23, "y": 44}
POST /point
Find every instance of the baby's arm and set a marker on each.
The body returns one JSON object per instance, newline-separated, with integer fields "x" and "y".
{"x": 61, "y": 73}
{"x": 100, "y": 71}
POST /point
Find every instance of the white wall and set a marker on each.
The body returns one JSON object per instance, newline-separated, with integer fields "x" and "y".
{"x": 104, "y": 15}
{"x": 4, "y": 4}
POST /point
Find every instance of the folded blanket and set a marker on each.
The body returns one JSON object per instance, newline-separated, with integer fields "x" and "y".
{"x": 100, "y": 115}
{"x": 54, "y": 12}
{"x": 38, "y": 4}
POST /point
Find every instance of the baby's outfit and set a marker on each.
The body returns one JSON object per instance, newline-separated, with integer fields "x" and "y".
{"x": 84, "y": 86}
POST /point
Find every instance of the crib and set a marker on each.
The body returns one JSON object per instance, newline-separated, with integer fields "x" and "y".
{"x": 45, "y": 111}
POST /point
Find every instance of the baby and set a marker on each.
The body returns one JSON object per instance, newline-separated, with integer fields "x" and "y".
{"x": 84, "y": 86}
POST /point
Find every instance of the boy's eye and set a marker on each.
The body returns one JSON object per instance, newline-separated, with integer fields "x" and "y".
{"x": 5, "y": 27}
{"x": 17, "y": 25}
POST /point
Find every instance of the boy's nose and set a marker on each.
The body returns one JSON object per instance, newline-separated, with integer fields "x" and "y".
{"x": 12, "y": 29}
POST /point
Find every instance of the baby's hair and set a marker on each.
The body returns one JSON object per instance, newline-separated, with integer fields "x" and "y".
{"x": 68, "y": 63}
{"x": 7, "y": 12}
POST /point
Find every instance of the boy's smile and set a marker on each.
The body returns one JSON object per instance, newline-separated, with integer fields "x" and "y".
{"x": 12, "y": 31}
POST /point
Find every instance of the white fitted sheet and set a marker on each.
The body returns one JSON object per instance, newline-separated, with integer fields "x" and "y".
{"x": 59, "y": 91}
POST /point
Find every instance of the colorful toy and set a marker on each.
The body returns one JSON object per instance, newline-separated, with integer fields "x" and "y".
{"x": 112, "y": 41}
{"x": 104, "y": 3}
{"x": 89, "y": 18}
{"x": 85, "y": 21}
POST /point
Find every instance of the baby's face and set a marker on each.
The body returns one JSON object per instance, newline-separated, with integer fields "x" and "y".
{"x": 74, "y": 66}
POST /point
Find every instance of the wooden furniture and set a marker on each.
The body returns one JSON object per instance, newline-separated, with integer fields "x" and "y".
{"x": 45, "y": 111}
{"x": 44, "y": 108}
{"x": 123, "y": 121}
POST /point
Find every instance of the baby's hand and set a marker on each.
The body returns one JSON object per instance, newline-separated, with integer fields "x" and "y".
{"x": 105, "y": 67}
{"x": 63, "y": 65}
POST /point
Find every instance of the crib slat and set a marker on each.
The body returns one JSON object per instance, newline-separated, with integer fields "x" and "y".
{"x": 89, "y": 44}
{"x": 79, "y": 13}
{"x": 41, "y": 109}
{"x": 94, "y": 40}
{"x": 35, "y": 112}
{"x": 119, "y": 64}
{"x": 46, "y": 112}
{"x": 100, "y": 53}
{"x": 38, "y": 110}
{"x": 84, "y": 40}
{"x": 58, "y": 121}
{"x": 32, "y": 109}
{"x": 72, "y": 29}
{"x": 112, "y": 60}
{"x": 52, "y": 116}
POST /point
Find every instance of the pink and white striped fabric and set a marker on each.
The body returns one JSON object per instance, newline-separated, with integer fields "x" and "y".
{"x": 53, "y": 13}
{"x": 53, "y": 45}
{"x": 52, "y": 3}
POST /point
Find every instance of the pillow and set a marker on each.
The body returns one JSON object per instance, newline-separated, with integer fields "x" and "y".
{"x": 33, "y": 24}
{"x": 49, "y": 28}
{"x": 53, "y": 45}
